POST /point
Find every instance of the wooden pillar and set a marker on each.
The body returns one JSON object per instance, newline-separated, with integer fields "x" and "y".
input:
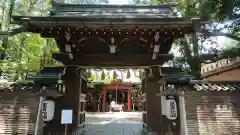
{"x": 70, "y": 100}
{"x": 153, "y": 108}
{"x": 82, "y": 100}
{"x": 144, "y": 103}
{"x": 129, "y": 99}
{"x": 104, "y": 98}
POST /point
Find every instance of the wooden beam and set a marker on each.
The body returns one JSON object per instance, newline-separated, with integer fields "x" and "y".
{"x": 108, "y": 60}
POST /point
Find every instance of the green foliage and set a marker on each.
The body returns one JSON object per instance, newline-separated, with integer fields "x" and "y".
{"x": 191, "y": 48}
{"x": 2, "y": 49}
{"x": 22, "y": 55}
{"x": 24, "y": 51}
{"x": 27, "y": 53}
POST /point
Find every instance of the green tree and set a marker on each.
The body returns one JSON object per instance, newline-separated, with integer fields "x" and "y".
{"x": 7, "y": 11}
{"x": 193, "y": 52}
{"x": 21, "y": 52}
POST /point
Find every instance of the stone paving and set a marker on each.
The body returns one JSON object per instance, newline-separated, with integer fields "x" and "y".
{"x": 113, "y": 123}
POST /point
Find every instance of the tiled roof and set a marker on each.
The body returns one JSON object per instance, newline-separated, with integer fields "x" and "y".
{"x": 173, "y": 75}
{"x": 202, "y": 85}
{"x": 111, "y": 11}
{"x": 23, "y": 89}
{"x": 198, "y": 85}
{"x": 22, "y": 86}
{"x": 215, "y": 87}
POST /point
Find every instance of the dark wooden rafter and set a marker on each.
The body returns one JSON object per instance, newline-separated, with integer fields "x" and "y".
{"x": 100, "y": 44}
{"x": 105, "y": 32}
{"x": 98, "y": 60}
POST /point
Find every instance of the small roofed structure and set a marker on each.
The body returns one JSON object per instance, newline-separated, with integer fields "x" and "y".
{"x": 47, "y": 83}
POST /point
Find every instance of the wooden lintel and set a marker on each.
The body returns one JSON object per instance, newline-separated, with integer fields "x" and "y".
{"x": 107, "y": 60}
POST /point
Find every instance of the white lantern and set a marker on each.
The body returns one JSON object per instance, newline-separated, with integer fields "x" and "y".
{"x": 171, "y": 109}
{"x": 48, "y": 108}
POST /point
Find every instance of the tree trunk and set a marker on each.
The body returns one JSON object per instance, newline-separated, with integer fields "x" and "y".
{"x": 192, "y": 55}
{"x": 6, "y": 25}
{"x": 6, "y": 19}
{"x": 196, "y": 62}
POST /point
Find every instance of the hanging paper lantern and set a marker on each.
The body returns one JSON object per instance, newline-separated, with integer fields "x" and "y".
{"x": 128, "y": 74}
{"x": 114, "y": 75}
{"x": 102, "y": 75}
{"x": 89, "y": 73}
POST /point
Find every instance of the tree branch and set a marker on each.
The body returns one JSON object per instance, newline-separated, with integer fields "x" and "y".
{"x": 215, "y": 33}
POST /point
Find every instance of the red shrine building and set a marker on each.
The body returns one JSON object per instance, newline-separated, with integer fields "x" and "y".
{"x": 116, "y": 86}
{"x": 127, "y": 94}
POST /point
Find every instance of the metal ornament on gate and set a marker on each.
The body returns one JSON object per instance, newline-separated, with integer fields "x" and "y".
{"x": 171, "y": 109}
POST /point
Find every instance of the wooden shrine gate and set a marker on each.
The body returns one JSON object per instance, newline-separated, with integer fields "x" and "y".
{"x": 108, "y": 36}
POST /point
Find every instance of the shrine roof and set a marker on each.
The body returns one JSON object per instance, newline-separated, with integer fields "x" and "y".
{"x": 123, "y": 85}
{"x": 112, "y": 11}
{"x": 81, "y": 15}
{"x": 48, "y": 75}
{"x": 194, "y": 85}
{"x": 83, "y": 22}
{"x": 102, "y": 83}
{"x": 174, "y": 75}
